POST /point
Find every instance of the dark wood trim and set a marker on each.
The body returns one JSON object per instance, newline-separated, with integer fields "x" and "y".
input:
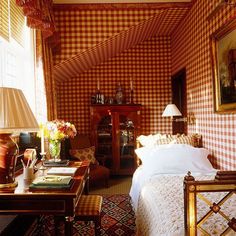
{"x": 121, "y": 6}
{"x": 179, "y": 98}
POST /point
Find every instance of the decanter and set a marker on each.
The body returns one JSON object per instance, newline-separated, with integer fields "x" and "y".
{"x": 119, "y": 94}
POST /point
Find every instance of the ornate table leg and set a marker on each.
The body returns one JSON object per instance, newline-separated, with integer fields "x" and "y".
{"x": 68, "y": 225}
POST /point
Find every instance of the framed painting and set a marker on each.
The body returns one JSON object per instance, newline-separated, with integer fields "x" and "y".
{"x": 223, "y": 48}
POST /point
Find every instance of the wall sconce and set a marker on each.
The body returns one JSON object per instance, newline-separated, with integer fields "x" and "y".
{"x": 15, "y": 116}
{"x": 171, "y": 110}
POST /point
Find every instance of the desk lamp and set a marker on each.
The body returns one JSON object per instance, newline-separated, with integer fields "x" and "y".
{"x": 15, "y": 116}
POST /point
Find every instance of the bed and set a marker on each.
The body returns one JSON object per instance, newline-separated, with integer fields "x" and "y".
{"x": 158, "y": 191}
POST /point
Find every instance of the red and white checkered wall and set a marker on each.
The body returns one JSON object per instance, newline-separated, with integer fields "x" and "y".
{"x": 147, "y": 65}
{"x": 191, "y": 49}
{"x": 81, "y": 29}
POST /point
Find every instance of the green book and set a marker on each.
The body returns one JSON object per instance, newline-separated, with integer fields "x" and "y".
{"x": 52, "y": 181}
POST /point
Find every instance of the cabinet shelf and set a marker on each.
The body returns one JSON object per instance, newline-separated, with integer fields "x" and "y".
{"x": 127, "y": 156}
{"x": 114, "y": 129}
{"x": 127, "y": 144}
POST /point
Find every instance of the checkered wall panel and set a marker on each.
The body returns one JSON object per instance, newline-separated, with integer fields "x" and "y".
{"x": 147, "y": 64}
{"x": 191, "y": 48}
{"x": 91, "y": 37}
{"x": 107, "y": 49}
{"x": 82, "y": 29}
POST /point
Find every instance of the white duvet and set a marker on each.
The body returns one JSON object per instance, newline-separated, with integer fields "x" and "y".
{"x": 158, "y": 204}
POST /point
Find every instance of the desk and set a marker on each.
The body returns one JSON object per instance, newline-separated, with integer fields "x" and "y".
{"x": 46, "y": 202}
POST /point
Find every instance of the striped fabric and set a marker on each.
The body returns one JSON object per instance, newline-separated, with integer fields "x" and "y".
{"x": 184, "y": 139}
{"x": 163, "y": 141}
{"x": 89, "y": 205}
{"x": 193, "y": 140}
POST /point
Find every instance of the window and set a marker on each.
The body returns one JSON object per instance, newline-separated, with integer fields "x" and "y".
{"x": 17, "y": 59}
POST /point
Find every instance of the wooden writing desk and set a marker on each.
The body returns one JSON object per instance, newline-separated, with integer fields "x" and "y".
{"x": 46, "y": 202}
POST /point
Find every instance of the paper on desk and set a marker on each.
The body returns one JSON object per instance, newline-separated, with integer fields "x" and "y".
{"x": 69, "y": 171}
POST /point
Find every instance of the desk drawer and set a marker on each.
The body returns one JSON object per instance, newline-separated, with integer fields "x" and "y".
{"x": 32, "y": 205}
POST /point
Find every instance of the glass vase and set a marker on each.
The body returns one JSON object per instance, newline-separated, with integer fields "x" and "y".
{"x": 54, "y": 150}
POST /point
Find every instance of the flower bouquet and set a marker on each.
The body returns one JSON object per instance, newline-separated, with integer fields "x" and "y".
{"x": 55, "y": 131}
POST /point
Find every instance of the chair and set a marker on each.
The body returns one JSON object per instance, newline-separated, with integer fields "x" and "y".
{"x": 81, "y": 148}
{"x": 89, "y": 209}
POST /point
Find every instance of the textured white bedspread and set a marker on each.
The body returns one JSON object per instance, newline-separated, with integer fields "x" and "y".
{"x": 158, "y": 203}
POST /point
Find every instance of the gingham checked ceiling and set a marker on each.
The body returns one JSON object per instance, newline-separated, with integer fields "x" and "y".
{"x": 142, "y": 23}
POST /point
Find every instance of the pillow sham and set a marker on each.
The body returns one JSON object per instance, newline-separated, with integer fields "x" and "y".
{"x": 174, "y": 159}
{"x": 183, "y": 139}
{"x": 84, "y": 154}
{"x": 162, "y": 139}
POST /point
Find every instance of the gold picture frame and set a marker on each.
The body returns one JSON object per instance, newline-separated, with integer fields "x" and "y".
{"x": 223, "y": 55}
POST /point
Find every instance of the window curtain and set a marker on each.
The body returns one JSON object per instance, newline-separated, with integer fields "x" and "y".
{"x": 39, "y": 15}
{"x": 44, "y": 62}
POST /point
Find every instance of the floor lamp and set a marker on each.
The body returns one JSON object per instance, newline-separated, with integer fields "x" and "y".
{"x": 15, "y": 116}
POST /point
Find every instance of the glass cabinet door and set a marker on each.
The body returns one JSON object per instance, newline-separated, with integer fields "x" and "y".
{"x": 127, "y": 143}
{"x": 104, "y": 139}
{"x": 114, "y": 128}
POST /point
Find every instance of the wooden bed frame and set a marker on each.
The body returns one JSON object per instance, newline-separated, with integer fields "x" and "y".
{"x": 225, "y": 181}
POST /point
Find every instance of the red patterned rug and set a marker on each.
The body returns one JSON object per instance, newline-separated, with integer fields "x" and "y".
{"x": 117, "y": 219}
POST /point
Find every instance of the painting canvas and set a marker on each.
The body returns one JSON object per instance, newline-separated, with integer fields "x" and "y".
{"x": 227, "y": 64}
{"x": 224, "y": 69}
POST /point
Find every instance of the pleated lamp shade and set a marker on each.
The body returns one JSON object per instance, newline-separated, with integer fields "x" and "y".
{"x": 15, "y": 112}
{"x": 171, "y": 110}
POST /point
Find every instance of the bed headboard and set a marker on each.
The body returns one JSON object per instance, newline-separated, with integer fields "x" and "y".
{"x": 225, "y": 181}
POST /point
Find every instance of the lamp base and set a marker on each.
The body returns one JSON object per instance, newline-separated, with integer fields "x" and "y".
{"x": 8, "y": 152}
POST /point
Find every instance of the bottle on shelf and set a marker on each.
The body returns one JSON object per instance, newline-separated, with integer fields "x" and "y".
{"x": 99, "y": 97}
{"x": 119, "y": 94}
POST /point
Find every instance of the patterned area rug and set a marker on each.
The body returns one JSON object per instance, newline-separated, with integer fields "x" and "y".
{"x": 117, "y": 219}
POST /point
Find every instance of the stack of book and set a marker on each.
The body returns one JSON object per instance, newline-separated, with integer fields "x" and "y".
{"x": 225, "y": 175}
{"x": 56, "y": 178}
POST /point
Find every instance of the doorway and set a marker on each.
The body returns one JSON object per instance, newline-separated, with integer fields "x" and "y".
{"x": 179, "y": 97}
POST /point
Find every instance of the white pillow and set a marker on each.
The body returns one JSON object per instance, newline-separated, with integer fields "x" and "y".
{"x": 174, "y": 159}
{"x": 147, "y": 141}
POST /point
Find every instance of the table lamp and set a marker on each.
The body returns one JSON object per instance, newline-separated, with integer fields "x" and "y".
{"x": 171, "y": 110}
{"x": 15, "y": 116}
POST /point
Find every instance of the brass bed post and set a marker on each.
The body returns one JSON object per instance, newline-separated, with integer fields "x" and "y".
{"x": 225, "y": 181}
{"x": 190, "y": 214}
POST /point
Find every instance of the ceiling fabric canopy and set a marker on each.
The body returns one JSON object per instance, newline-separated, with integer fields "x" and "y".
{"x": 162, "y": 22}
